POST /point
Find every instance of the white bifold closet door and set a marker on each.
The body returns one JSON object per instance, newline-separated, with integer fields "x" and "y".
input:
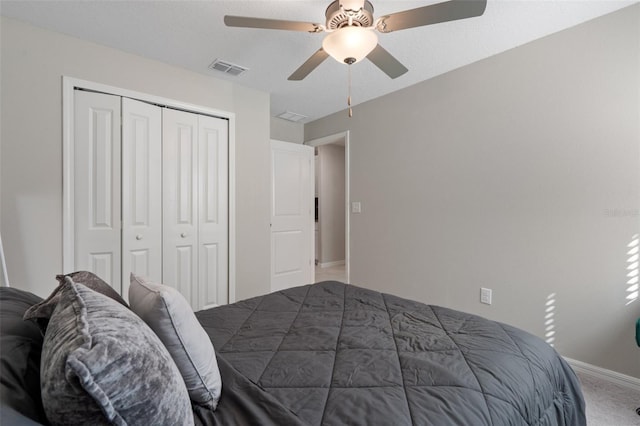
{"x": 141, "y": 191}
{"x": 195, "y": 230}
{"x": 151, "y": 196}
{"x": 213, "y": 211}
{"x": 96, "y": 210}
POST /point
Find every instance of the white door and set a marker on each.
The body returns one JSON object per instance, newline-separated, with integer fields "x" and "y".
{"x": 141, "y": 191}
{"x": 292, "y": 215}
{"x": 180, "y": 201}
{"x": 195, "y": 206}
{"x": 148, "y": 193}
{"x": 96, "y": 185}
{"x": 213, "y": 222}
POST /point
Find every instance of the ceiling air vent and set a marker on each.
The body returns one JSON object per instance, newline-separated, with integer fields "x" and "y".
{"x": 227, "y": 67}
{"x": 292, "y": 116}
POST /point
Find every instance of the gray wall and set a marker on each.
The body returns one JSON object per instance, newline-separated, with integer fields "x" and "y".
{"x": 520, "y": 173}
{"x": 286, "y": 131}
{"x": 32, "y": 65}
{"x": 331, "y": 206}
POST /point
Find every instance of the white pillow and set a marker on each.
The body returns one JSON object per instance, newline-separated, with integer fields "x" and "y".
{"x": 169, "y": 315}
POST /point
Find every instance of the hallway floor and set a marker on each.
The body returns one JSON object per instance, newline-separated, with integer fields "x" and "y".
{"x": 332, "y": 273}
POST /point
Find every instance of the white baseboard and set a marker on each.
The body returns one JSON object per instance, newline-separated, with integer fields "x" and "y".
{"x": 330, "y": 264}
{"x": 610, "y": 376}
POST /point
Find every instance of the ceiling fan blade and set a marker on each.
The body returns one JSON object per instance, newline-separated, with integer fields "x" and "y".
{"x": 309, "y": 65}
{"x": 386, "y": 62}
{"x": 270, "y": 24}
{"x": 432, "y": 14}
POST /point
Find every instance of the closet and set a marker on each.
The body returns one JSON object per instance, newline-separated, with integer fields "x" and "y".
{"x": 150, "y": 195}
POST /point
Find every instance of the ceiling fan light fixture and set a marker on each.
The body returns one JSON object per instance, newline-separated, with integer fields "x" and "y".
{"x": 350, "y": 44}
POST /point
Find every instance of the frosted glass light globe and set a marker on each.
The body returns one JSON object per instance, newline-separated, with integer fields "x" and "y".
{"x": 350, "y": 42}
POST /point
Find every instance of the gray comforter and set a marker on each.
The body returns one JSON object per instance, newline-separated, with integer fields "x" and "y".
{"x": 335, "y": 354}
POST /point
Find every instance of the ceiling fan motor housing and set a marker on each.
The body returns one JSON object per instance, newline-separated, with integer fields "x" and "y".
{"x": 338, "y": 17}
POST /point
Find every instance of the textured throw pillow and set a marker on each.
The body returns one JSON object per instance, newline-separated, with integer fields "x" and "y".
{"x": 94, "y": 282}
{"x": 41, "y": 312}
{"x": 102, "y": 365}
{"x": 20, "y": 348}
{"x": 168, "y": 313}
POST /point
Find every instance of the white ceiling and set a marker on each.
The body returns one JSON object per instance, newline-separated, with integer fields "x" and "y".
{"x": 191, "y": 34}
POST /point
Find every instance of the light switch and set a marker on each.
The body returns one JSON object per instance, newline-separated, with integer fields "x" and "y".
{"x": 356, "y": 207}
{"x": 485, "y": 296}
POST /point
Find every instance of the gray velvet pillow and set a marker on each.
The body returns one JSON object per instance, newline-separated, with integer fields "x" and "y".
{"x": 101, "y": 364}
{"x": 168, "y": 313}
{"x": 94, "y": 282}
{"x": 41, "y": 312}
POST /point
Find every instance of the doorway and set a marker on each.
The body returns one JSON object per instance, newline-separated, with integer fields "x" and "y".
{"x": 332, "y": 219}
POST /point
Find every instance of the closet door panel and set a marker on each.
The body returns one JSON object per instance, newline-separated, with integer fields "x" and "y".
{"x": 180, "y": 209}
{"x": 184, "y": 269}
{"x": 213, "y": 212}
{"x": 209, "y": 283}
{"x": 141, "y": 191}
{"x": 96, "y": 185}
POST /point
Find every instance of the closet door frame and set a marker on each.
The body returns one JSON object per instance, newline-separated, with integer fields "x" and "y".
{"x": 69, "y": 85}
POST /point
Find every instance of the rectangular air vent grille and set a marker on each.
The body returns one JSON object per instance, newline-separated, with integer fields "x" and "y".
{"x": 227, "y": 67}
{"x": 292, "y": 116}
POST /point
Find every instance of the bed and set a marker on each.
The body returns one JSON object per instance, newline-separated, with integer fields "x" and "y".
{"x": 335, "y": 354}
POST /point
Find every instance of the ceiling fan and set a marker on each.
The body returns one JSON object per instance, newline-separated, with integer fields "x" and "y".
{"x": 351, "y": 30}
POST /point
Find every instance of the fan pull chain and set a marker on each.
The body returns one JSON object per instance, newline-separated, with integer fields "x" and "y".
{"x": 349, "y": 93}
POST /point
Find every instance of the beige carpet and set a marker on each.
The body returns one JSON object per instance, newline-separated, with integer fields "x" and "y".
{"x": 609, "y": 404}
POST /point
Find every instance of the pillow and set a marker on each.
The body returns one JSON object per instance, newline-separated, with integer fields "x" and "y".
{"x": 168, "y": 313}
{"x": 95, "y": 283}
{"x": 101, "y": 364}
{"x": 41, "y": 312}
{"x": 20, "y": 348}
{"x": 14, "y": 302}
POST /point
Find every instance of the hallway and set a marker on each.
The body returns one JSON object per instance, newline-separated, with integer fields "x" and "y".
{"x": 332, "y": 273}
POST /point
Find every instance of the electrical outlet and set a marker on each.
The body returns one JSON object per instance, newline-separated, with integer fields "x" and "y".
{"x": 485, "y": 295}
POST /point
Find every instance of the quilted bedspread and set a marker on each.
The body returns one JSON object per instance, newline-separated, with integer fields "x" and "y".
{"x": 336, "y": 354}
